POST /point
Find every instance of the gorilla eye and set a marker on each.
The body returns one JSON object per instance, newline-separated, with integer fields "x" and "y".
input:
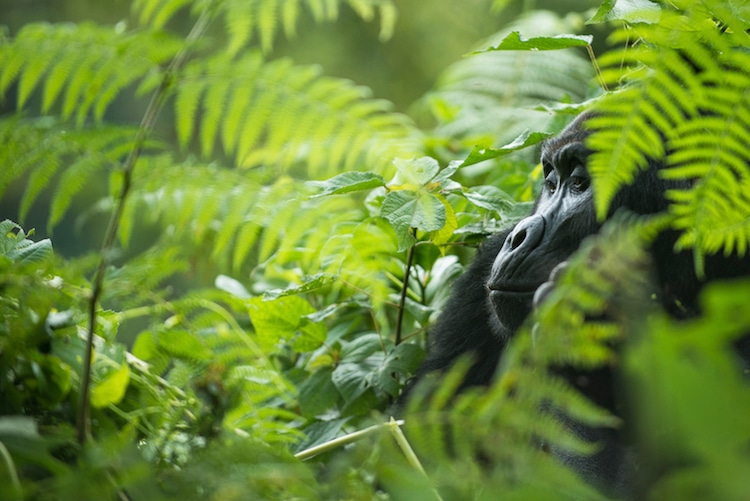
{"x": 579, "y": 182}
{"x": 550, "y": 185}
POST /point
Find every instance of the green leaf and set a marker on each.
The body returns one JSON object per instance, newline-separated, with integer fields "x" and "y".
{"x": 321, "y": 432}
{"x": 415, "y": 172}
{"x": 443, "y": 235}
{"x": 361, "y": 347}
{"x": 318, "y": 393}
{"x": 351, "y": 380}
{"x": 111, "y": 389}
{"x": 348, "y": 182}
{"x": 309, "y": 284}
{"x": 445, "y": 174}
{"x": 20, "y": 249}
{"x": 403, "y": 360}
{"x": 630, "y": 11}
{"x": 499, "y": 203}
{"x": 406, "y": 209}
{"x": 232, "y": 286}
{"x": 524, "y": 140}
{"x": 514, "y": 41}
{"x": 282, "y": 320}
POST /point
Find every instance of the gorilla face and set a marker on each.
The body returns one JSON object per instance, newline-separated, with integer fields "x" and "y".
{"x": 562, "y": 217}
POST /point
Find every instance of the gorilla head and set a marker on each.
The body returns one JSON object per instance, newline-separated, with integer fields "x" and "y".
{"x": 562, "y": 217}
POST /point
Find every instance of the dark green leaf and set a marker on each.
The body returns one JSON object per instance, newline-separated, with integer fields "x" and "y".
{"x": 350, "y": 380}
{"x": 361, "y": 347}
{"x": 317, "y": 393}
{"x": 403, "y": 361}
{"x": 321, "y": 432}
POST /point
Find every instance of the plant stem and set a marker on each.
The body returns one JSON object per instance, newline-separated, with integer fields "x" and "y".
{"x": 346, "y": 439}
{"x": 404, "y": 289}
{"x": 145, "y": 128}
{"x": 597, "y": 69}
{"x": 12, "y": 472}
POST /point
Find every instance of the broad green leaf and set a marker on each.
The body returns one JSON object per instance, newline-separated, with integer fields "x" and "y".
{"x": 361, "y": 347}
{"x": 18, "y": 426}
{"x": 20, "y": 249}
{"x": 415, "y": 172}
{"x": 496, "y": 203}
{"x": 348, "y": 182}
{"x": 281, "y": 320}
{"x": 524, "y": 140}
{"x": 403, "y": 360}
{"x": 445, "y": 174}
{"x": 443, "y": 235}
{"x": 112, "y": 388}
{"x": 514, "y": 41}
{"x": 630, "y": 11}
{"x": 406, "y": 209}
{"x": 317, "y": 393}
{"x": 321, "y": 432}
{"x": 351, "y": 380}
{"x": 232, "y": 286}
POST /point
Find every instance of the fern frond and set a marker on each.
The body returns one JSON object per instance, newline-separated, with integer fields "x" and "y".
{"x": 280, "y": 114}
{"x": 157, "y": 13}
{"x": 694, "y": 100}
{"x": 43, "y": 148}
{"x": 87, "y": 63}
{"x": 243, "y": 19}
{"x": 489, "y": 97}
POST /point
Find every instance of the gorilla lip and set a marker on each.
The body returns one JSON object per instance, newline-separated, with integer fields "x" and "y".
{"x": 495, "y": 289}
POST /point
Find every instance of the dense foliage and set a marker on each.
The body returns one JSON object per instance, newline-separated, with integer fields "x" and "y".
{"x": 280, "y": 241}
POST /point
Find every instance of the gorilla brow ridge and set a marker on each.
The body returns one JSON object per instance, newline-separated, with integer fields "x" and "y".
{"x": 573, "y": 133}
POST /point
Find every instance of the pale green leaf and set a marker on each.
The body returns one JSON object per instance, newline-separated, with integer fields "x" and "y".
{"x": 111, "y": 388}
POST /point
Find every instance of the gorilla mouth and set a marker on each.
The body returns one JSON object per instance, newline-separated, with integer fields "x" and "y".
{"x": 511, "y": 304}
{"x": 511, "y": 288}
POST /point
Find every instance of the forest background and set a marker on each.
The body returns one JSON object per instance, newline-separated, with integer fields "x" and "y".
{"x": 257, "y": 208}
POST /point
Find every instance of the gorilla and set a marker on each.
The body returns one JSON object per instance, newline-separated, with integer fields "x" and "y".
{"x": 491, "y": 300}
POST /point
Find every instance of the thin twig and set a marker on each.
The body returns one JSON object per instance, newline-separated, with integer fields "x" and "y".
{"x": 598, "y": 70}
{"x": 404, "y": 289}
{"x": 146, "y": 126}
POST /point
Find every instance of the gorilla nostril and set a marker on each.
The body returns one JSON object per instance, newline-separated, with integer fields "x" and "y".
{"x": 526, "y": 236}
{"x": 517, "y": 239}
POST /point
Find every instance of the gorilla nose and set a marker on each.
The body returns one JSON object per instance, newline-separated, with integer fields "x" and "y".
{"x": 526, "y": 235}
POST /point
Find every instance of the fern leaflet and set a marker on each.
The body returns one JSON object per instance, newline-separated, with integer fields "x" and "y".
{"x": 82, "y": 67}
{"x": 275, "y": 113}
